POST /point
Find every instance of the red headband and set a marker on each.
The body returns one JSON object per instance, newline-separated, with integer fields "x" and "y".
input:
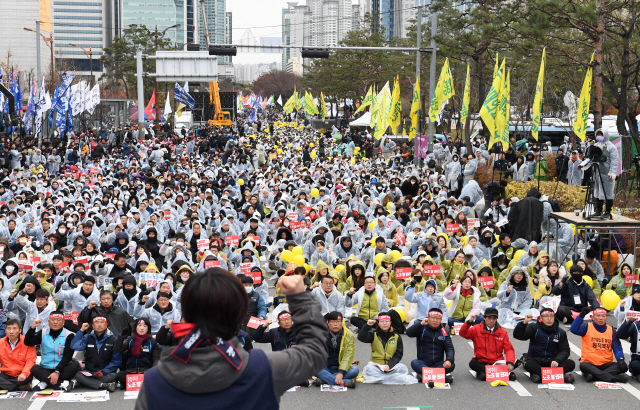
{"x": 95, "y": 319}
{"x": 141, "y": 321}
{"x": 384, "y": 317}
{"x": 436, "y": 314}
{"x": 599, "y": 310}
{"x": 56, "y": 316}
{"x": 283, "y": 316}
{"x": 547, "y": 313}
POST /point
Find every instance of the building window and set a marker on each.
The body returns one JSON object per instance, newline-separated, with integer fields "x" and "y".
{"x": 70, "y": 3}
{"x": 77, "y": 18}
{"x": 76, "y": 11}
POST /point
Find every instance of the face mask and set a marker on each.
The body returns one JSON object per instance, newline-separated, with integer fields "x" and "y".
{"x": 185, "y": 279}
{"x": 352, "y": 232}
{"x": 502, "y": 266}
{"x": 63, "y": 231}
{"x": 10, "y": 268}
{"x": 286, "y": 224}
{"x": 600, "y": 138}
{"x": 418, "y": 279}
{"x": 249, "y": 290}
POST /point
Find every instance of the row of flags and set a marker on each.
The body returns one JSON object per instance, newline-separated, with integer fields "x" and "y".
{"x": 252, "y": 100}
{"x": 312, "y": 106}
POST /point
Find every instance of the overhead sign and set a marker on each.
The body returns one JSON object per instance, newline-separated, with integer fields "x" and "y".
{"x": 186, "y": 65}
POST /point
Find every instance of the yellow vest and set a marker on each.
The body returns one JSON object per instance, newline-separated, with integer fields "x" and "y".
{"x": 369, "y": 306}
{"x": 382, "y": 354}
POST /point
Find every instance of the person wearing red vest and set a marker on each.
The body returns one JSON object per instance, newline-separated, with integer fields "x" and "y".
{"x": 490, "y": 343}
{"x": 600, "y": 347}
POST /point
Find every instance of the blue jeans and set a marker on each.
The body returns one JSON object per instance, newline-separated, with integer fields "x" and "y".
{"x": 328, "y": 374}
{"x": 451, "y": 321}
{"x": 418, "y": 364}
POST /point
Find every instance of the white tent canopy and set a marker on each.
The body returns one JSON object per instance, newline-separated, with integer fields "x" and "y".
{"x": 362, "y": 121}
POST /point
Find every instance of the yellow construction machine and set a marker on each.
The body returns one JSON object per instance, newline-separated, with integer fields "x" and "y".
{"x": 220, "y": 118}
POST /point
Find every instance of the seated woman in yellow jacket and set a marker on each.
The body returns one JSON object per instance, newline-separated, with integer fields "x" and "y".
{"x": 455, "y": 267}
{"x": 388, "y": 287}
{"x": 550, "y": 275}
{"x": 357, "y": 272}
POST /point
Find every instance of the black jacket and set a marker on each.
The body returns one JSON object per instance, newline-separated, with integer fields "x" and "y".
{"x": 119, "y": 322}
{"x": 525, "y": 218}
{"x": 545, "y": 342}
{"x": 569, "y": 289}
{"x": 433, "y": 346}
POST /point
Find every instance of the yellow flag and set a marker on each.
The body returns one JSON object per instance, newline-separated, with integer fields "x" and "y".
{"x": 396, "y": 106}
{"x": 290, "y": 104}
{"x": 367, "y": 100}
{"x": 537, "y": 100}
{"x": 299, "y": 101}
{"x": 404, "y": 132}
{"x": 323, "y": 107}
{"x": 489, "y": 109}
{"x": 501, "y": 133}
{"x": 376, "y": 99}
{"x": 582, "y": 116}
{"x": 444, "y": 91}
{"x": 495, "y": 68}
{"x": 310, "y": 105}
{"x": 464, "y": 112}
{"x": 415, "y": 107}
{"x": 382, "y": 122}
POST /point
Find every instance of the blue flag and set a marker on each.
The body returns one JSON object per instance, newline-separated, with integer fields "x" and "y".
{"x": 64, "y": 86}
{"x": 18, "y": 93}
{"x": 6, "y": 103}
{"x": 183, "y": 97}
{"x": 69, "y": 127}
{"x": 54, "y": 101}
{"x": 61, "y": 113}
{"x": 31, "y": 108}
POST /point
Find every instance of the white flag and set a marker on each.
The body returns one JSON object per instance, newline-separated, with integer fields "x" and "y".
{"x": 86, "y": 98}
{"x": 94, "y": 98}
{"x": 280, "y": 100}
{"x": 167, "y": 107}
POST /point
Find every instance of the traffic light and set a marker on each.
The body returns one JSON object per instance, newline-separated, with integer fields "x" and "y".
{"x": 315, "y": 52}
{"x": 193, "y": 47}
{"x": 215, "y": 50}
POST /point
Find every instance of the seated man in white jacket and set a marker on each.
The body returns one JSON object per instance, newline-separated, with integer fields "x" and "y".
{"x": 328, "y": 296}
{"x": 370, "y": 301}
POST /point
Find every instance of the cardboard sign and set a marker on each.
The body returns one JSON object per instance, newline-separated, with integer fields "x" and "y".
{"x": 294, "y": 225}
{"x": 245, "y": 268}
{"x": 292, "y": 216}
{"x": 257, "y": 277}
{"x": 486, "y": 281}
{"x": 552, "y": 304}
{"x": 473, "y": 223}
{"x": 502, "y": 223}
{"x": 400, "y": 238}
{"x": 211, "y": 264}
{"x": 389, "y": 222}
{"x": 432, "y": 374}
{"x": 152, "y": 279}
{"x": 83, "y": 260}
{"x": 93, "y": 171}
{"x": 629, "y": 280}
{"x": 576, "y": 314}
{"x": 203, "y": 244}
{"x": 35, "y": 260}
{"x": 167, "y": 214}
{"x": 457, "y": 326}
{"x": 256, "y": 239}
{"x": 631, "y": 313}
{"x": 499, "y": 372}
{"x": 254, "y": 322}
{"x": 63, "y": 265}
{"x": 552, "y": 375}
{"x": 452, "y": 228}
{"x": 108, "y": 282}
{"x": 111, "y": 256}
{"x": 73, "y": 316}
{"x": 306, "y": 210}
{"x": 134, "y": 382}
{"x": 431, "y": 270}
{"x": 25, "y": 267}
{"x": 603, "y": 385}
{"x": 403, "y": 273}
{"x": 232, "y": 240}
{"x": 273, "y": 156}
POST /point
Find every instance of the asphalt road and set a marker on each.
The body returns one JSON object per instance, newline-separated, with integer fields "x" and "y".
{"x": 465, "y": 392}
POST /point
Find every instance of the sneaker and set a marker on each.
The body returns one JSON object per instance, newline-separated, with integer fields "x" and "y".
{"x": 512, "y": 377}
{"x": 569, "y": 378}
{"x": 39, "y": 386}
{"x": 25, "y": 387}
{"x": 481, "y": 376}
{"x": 588, "y": 377}
{"x": 317, "y": 382}
{"x": 534, "y": 378}
{"x": 621, "y": 378}
{"x": 448, "y": 378}
{"x": 111, "y": 386}
{"x": 349, "y": 383}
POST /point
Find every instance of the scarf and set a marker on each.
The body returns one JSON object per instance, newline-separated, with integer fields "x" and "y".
{"x": 334, "y": 338}
{"x": 138, "y": 340}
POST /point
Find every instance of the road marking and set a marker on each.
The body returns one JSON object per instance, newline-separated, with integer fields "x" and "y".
{"x": 519, "y": 388}
{"x": 471, "y": 344}
{"x": 575, "y": 349}
{"x": 37, "y": 404}
{"x": 634, "y": 392}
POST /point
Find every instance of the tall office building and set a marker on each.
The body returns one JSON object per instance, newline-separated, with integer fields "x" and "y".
{"x": 293, "y": 31}
{"x": 18, "y": 47}
{"x": 228, "y": 28}
{"x": 216, "y": 12}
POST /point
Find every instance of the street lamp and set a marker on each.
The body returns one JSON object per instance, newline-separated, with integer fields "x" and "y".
{"x": 157, "y": 35}
{"x": 49, "y": 42}
{"x": 90, "y": 54}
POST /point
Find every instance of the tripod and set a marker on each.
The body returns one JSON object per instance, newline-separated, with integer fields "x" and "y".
{"x": 590, "y": 198}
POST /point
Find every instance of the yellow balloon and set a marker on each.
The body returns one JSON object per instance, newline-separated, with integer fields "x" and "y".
{"x": 311, "y": 144}
{"x": 588, "y": 280}
{"x": 289, "y": 145}
{"x": 373, "y": 241}
{"x": 299, "y": 148}
{"x": 569, "y": 265}
{"x": 372, "y": 224}
{"x": 396, "y": 255}
{"x": 353, "y": 161}
{"x": 286, "y": 256}
{"x": 315, "y": 192}
{"x": 307, "y": 267}
{"x": 297, "y": 250}
{"x": 389, "y": 205}
{"x": 313, "y": 155}
{"x": 518, "y": 254}
{"x": 609, "y": 300}
{"x": 340, "y": 268}
{"x": 402, "y": 313}
{"x": 241, "y": 182}
{"x": 356, "y": 149}
{"x": 299, "y": 260}
{"x": 279, "y": 151}
{"x": 378, "y": 258}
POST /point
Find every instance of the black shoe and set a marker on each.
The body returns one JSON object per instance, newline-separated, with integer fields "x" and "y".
{"x": 588, "y": 377}
{"x": 534, "y": 378}
{"x": 569, "y": 378}
{"x": 512, "y": 377}
{"x": 431, "y": 384}
{"x": 597, "y": 214}
{"x": 317, "y": 382}
{"x": 481, "y": 376}
{"x": 607, "y": 215}
{"x": 621, "y": 378}
{"x": 637, "y": 377}
{"x": 448, "y": 378}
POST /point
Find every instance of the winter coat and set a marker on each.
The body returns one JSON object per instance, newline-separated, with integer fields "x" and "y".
{"x": 489, "y": 347}
{"x": 520, "y": 297}
{"x": 333, "y": 302}
{"x": 545, "y": 342}
{"x": 426, "y": 301}
{"x": 433, "y": 345}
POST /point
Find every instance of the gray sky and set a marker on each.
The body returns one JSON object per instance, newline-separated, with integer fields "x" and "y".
{"x": 253, "y": 14}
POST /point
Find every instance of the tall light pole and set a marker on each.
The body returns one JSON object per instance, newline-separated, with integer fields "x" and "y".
{"x": 49, "y": 42}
